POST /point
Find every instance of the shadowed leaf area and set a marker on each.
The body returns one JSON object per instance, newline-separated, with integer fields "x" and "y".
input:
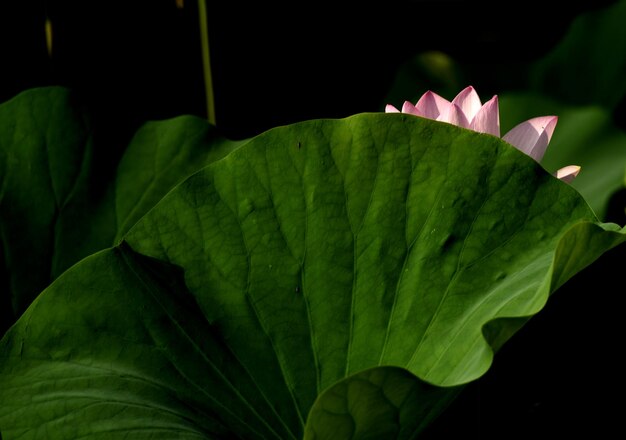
{"x": 58, "y": 204}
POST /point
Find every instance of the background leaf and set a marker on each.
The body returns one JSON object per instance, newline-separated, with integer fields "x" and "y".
{"x": 313, "y": 253}
{"x": 588, "y": 65}
{"x": 161, "y": 155}
{"x": 46, "y": 163}
{"x": 585, "y": 136}
{"x": 58, "y": 204}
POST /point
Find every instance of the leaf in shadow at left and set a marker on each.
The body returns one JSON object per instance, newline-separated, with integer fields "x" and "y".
{"x": 57, "y": 206}
{"x": 134, "y": 357}
{"x": 46, "y": 163}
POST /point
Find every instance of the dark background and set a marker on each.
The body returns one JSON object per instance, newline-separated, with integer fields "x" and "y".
{"x": 134, "y": 61}
{"x": 139, "y": 60}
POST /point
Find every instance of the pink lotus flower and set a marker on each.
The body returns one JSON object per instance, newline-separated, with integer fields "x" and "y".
{"x": 466, "y": 110}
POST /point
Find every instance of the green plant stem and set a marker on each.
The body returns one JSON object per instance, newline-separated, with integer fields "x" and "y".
{"x": 206, "y": 62}
{"x": 48, "y": 31}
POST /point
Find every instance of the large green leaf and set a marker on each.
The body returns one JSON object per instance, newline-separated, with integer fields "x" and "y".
{"x": 584, "y": 135}
{"x": 326, "y": 277}
{"x": 58, "y": 205}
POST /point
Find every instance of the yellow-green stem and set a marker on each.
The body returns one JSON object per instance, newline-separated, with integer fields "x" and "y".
{"x": 206, "y": 62}
{"x": 48, "y": 29}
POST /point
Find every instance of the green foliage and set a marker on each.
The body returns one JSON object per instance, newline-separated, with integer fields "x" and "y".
{"x": 399, "y": 403}
{"x": 58, "y": 205}
{"x": 332, "y": 276}
{"x": 330, "y": 279}
{"x": 588, "y": 65}
{"x": 46, "y": 167}
{"x": 585, "y": 136}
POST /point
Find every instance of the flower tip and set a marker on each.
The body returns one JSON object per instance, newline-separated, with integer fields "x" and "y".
{"x": 548, "y": 124}
{"x": 533, "y": 136}
{"x": 551, "y": 119}
{"x": 432, "y": 106}
{"x": 568, "y": 173}
{"x": 456, "y": 116}
{"x": 391, "y": 109}
{"x": 409, "y": 108}
{"x": 487, "y": 119}
{"x": 468, "y": 101}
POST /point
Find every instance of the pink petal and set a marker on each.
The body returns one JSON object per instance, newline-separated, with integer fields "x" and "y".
{"x": 568, "y": 173}
{"x": 533, "y": 136}
{"x": 432, "y": 105}
{"x": 409, "y": 108}
{"x": 487, "y": 120}
{"x": 457, "y": 117}
{"x": 391, "y": 109}
{"x": 468, "y": 101}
